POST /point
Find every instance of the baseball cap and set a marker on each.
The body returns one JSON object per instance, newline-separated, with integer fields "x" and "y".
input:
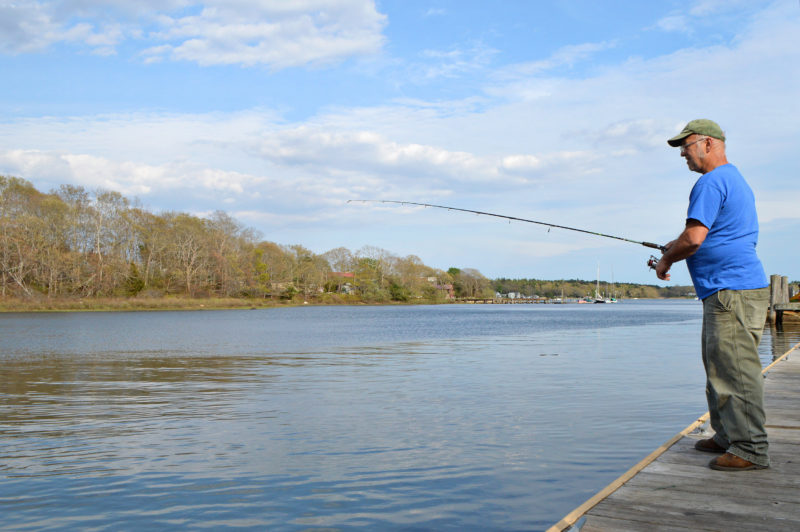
{"x": 701, "y": 126}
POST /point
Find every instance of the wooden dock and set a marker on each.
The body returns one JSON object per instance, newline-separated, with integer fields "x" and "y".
{"x": 674, "y": 489}
{"x": 779, "y": 300}
{"x": 779, "y": 308}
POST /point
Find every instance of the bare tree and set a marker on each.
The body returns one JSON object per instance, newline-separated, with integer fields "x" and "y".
{"x": 340, "y": 259}
{"x": 188, "y": 252}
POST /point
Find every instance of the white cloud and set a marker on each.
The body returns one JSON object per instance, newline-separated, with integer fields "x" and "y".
{"x": 713, "y": 7}
{"x": 127, "y": 177}
{"x": 35, "y": 164}
{"x": 644, "y": 133}
{"x": 370, "y": 152}
{"x": 101, "y": 25}
{"x": 521, "y": 163}
{"x": 275, "y": 33}
{"x": 677, "y": 23}
{"x": 706, "y": 15}
{"x": 566, "y": 56}
{"x": 454, "y": 62}
{"x": 334, "y": 152}
{"x": 31, "y": 27}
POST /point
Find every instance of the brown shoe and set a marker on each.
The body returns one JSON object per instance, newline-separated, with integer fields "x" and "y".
{"x": 731, "y": 462}
{"x": 709, "y": 446}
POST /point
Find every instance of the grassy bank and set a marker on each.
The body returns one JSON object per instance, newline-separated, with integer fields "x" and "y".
{"x": 105, "y": 304}
{"x": 123, "y": 304}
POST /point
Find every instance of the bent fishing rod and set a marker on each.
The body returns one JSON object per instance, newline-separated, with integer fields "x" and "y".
{"x": 645, "y": 244}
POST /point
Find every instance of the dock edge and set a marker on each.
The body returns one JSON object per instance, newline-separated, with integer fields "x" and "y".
{"x": 574, "y": 516}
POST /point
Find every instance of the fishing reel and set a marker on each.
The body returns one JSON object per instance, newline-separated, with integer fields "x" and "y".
{"x": 652, "y": 262}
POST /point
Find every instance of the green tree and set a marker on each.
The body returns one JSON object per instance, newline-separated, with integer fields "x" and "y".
{"x": 398, "y": 292}
{"x": 134, "y": 283}
{"x": 262, "y": 272}
{"x": 368, "y": 278}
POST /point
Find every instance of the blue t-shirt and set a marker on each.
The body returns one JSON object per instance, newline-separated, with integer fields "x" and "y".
{"x": 723, "y": 201}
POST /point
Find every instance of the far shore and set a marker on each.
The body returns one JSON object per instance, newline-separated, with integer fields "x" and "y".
{"x": 130, "y": 304}
{"x": 182, "y": 303}
{"x": 123, "y": 304}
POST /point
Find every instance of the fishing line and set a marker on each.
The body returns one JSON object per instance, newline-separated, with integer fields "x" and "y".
{"x": 509, "y": 218}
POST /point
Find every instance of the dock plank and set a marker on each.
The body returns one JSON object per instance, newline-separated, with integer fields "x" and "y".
{"x": 715, "y": 510}
{"x": 600, "y": 524}
{"x": 677, "y": 490}
{"x": 794, "y": 305}
{"x": 665, "y": 483}
{"x": 649, "y": 517}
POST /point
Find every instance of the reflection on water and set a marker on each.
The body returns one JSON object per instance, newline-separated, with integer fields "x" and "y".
{"x": 776, "y": 342}
{"x": 373, "y": 418}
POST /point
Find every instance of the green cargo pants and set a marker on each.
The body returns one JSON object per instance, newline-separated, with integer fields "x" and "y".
{"x": 733, "y": 321}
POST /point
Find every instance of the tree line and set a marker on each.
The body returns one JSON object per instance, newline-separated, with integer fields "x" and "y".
{"x": 72, "y": 242}
{"x": 575, "y": 288}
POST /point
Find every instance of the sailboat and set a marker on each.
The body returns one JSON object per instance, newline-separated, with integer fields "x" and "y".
{"x": 597, "y": 297}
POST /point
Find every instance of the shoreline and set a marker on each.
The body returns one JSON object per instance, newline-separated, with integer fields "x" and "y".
{"x": 18, "y": 305}
{"x": 111, "y": 304}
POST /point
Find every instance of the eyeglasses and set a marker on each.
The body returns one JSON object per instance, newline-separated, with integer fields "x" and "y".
{"x": 683, "y": 148}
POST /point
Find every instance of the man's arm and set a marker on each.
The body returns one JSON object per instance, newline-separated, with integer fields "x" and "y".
{"x": 684, "y": 246}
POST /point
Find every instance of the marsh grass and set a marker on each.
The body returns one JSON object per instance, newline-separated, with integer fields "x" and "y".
{"x": 132, "y": 304}
{"x": 107, "y": 304}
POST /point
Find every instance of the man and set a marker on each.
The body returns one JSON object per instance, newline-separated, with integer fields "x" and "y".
{"x": 719, "y": 245}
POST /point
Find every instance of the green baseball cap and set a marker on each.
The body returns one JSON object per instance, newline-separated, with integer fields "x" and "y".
{"x": 701, "y": 126}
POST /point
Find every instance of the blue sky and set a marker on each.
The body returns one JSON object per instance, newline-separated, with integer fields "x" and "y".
{"x": 279, "y": 112}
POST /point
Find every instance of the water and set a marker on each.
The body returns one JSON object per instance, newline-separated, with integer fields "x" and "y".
{"x": 373, "y": 418}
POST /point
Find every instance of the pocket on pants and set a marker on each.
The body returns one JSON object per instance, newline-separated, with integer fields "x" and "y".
{"x": 721, "y": 301}
{"x": 756, "y": 303}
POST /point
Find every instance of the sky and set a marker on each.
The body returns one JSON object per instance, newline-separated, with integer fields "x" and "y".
{"x": 279, "y": 112}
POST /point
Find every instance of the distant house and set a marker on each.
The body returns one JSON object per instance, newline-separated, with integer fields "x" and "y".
{"x": 447, "y": 289}
{"x": 443, "y": 288}
{"x": 343, "y": 281}
{"x": 347, "y": 288}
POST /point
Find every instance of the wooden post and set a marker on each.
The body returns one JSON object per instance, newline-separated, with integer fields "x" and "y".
{"x": 774, "y": 291}
{"x": 784, "y": 290}
{"x": 784, "y": 298}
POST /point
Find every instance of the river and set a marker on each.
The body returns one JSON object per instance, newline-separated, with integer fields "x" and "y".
{"x": 449, "y": 417}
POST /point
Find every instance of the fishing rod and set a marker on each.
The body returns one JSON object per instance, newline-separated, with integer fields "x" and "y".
{"x": 645, "y": 244}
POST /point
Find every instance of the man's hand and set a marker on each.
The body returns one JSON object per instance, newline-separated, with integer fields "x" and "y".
{"x": 680, "y": 248}
{"x": 662, "y": 268}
